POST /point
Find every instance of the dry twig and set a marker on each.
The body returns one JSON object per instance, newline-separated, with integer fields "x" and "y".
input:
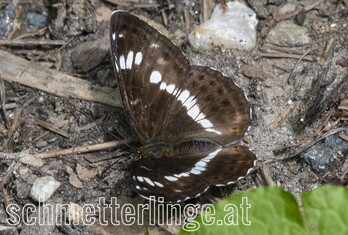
{"x": 52, "y": 81}
{"x": 81, "y": 149}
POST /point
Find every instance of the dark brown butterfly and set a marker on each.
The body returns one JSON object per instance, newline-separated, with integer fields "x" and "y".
{"x": 187, "y": 118}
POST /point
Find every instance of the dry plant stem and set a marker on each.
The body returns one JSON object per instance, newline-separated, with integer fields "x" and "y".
{"x": 9, "y": 106}
{"x": 298, "y": 9}
{"x": 6, "y": 179}
{"x": 186, "y": 19}
{"x": 82, "y": 149}
{"x": 2, "y": 102}
{"x": 164, "y": 18}
{"x": 284, "y": 55}
{"x": 267, "y": 175}
{"x": 290, "y": 50}
{"x": 32, "y": 34}
{"x": 54, "y": 82}
{"x": 15, "y": 121}
{"x": 283, "y": 116}
{"x": 297, "y": 63}
{"x": 29, "y": 43}
{"x": 53, "y": 128}
{"x": 6, "y": 198}
{"x": 322, "y": 127}
{"x": 328, "y": 48}
{"x": 207, "y": 8}
{"x": 343, "y": 137}
{"x": 307, "y": 146}
{"x": 130, "y": 4}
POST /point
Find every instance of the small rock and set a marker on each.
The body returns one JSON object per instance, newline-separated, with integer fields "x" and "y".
{"x": 7, "y": 15}
{"x": 287, "y": 8}
{"x": 43, "y": 188}
{"x": 37, "y": 19}
{"x": 230, "y": 27}
{"x": 326, "y": 155}
{"x": 41, "y": 144}
{"x": 8, "y": 230}
{"x": 88, "y": 55}
{"x": 287, "y": 33}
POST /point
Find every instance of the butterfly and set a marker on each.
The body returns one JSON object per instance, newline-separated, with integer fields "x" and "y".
{"x": 187, "y": 118}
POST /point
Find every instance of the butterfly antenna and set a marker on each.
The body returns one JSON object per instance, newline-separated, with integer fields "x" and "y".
{"x": 102, "y": 172}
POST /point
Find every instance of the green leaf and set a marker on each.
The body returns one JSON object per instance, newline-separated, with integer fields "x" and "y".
{"x": 271, "y": 210}
{"x": 326, "y": 210}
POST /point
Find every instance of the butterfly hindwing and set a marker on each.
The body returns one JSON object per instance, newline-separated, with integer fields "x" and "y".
{"x": 181, "y": 177}
{"x": 210, "y": 107}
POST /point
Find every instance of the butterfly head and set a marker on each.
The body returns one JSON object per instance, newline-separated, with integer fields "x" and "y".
{"x": 156, "y": 150}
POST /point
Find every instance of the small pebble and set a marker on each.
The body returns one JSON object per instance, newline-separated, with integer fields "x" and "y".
{"x": 8, "y": 230}
{"x": 230, "y": 27}
{"x": 43, "y": 188}
{"x": 37, "y": 19}
{"x": 287, "y": 33}
{"x": 7, "y": 16}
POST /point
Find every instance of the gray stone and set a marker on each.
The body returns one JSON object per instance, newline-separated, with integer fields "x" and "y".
{"x": 287, "y": 33}
{"x": 43, "y": 188}
{"x": 8, "y": 230}
{"x": 231, "y": 27}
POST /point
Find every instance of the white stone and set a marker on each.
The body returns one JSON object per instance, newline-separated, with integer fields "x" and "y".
{"x": 43, "y": 188}
{"x": 232, "y": 27}
{"x": 287, "y": 33}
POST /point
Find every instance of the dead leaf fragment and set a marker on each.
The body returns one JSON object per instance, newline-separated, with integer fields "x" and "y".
{"x": 73, "y": 179}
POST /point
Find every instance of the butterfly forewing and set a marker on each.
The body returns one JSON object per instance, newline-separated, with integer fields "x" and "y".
{"x": 144, "y": 63}
{"x": 160, "y": 87}
{"x": 182, "y": 177}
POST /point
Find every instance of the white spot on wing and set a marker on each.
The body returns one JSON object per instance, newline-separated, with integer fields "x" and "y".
{"x": 163, "y": 86}
{"x": 195, "y": 171}
{"x": 138, "y": 58}
{"x": 129, "y": 60}
{"x": 184, "y": 174}
{"x": 155, "y": 77}
{"x": 194, "y": 111}
{"x": 147, "y": 180}
{"x": 122, "y": 62}
{"x": 158, "y": 184}
{"x": 183, "y": 96}
{"x": 199, "y": 166}
{"x": 171, "y": 178}
{"x": 201, "y": 163}
{"x": 113, "y": 36}
{"x": 140, "y": 178}
{"x": 154, "y": 45}
{"x": 170, "y": 88}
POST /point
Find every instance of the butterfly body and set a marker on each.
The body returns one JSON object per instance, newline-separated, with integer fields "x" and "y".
{"x": 187, "y": 118}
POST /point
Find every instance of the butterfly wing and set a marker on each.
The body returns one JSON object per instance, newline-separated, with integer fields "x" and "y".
{"x": 143, "y": 60}
{"x": 209, "y": 106}
{"x": 167, "y": 99}
{"x": 183, "y": 177}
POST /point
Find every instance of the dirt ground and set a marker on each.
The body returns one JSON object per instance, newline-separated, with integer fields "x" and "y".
{"x": 299, "y": 97}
